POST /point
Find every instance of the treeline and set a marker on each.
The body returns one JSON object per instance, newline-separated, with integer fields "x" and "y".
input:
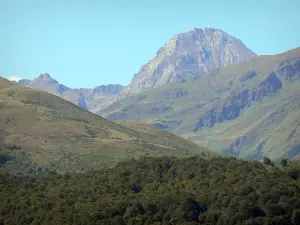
{"x": 164, "y": 191}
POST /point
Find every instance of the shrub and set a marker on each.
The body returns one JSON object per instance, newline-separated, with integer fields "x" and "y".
{"x": 267, "y": 161}
{"x": 284, "y": 162}
{"x": 296, "y": 216}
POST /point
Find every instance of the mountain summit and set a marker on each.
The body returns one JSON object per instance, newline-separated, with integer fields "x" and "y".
{"x": 192, "y": 53}
{"x": 46, "y": 83}
{"x": 44, "y": 76}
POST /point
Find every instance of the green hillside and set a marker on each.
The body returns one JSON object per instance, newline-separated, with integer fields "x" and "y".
{"x": 249, "y": 110}
{"x": 40, "y": 131}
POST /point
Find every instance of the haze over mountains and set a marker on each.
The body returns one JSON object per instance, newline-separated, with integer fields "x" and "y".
{"x": 208, "y": 87}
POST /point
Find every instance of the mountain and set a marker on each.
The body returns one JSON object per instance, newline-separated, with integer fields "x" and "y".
{"x": 193, "y": 53}
{"x": 23, "y": 82}
{"x": 92, "y": 99}
{"x": 40, "y": 131}
{"x": 250, "y": 109}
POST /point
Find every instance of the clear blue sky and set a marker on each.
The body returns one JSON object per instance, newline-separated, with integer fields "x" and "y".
{"x": 84, "y": 43}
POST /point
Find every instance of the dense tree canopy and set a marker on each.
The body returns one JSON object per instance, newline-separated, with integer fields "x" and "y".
{"x": 156, "y": 191}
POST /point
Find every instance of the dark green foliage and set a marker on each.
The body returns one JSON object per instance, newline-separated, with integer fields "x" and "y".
{"x": 162, "y": 191}
{"x": 4, "y": 158}
{"x": 296, "y": 216}
{"x": 284, "y": 162}
{"x": 267, "y": 161}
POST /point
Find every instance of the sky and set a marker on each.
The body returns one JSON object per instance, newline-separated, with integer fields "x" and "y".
{"x": 85, "y": 43}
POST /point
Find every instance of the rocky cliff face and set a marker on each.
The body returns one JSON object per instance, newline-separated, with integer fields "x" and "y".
{"x": 237, "y": 101}
{"x": 110, "y": 88}
{"x": 92, "y": 99}
{"x": 193, "y": 53}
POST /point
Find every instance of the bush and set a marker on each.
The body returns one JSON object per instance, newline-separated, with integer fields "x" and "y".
{"x": 274, "y": 210}
{"x": 284, "y": 162}
{"x": 296, "y": 216}
{"x": 267, "y": 161}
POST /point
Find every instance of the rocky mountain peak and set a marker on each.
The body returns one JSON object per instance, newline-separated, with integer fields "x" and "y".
{"x": 193, "y": 53}
{"x": 44, "y": 76}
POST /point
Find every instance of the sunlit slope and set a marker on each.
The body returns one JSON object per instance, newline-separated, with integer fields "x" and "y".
{"x": 250, "y": 109}
{"x": 39, "y": 128}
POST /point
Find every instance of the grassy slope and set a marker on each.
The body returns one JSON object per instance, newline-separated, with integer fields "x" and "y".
{"x": 40, "y": 128}
{"x": 181, "y": 113}
{"x": 161, "y": 138}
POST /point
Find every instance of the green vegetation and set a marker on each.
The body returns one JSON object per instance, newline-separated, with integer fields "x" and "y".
{"x": 267, "y": 161}
{"x": 157, "y": 191}
{"x": 284, "y": 162}
{"x": 42, "y": 132}
{"x": 248, "y": 110}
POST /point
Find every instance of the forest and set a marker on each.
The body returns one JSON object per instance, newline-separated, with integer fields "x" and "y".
{"x": 166, "y": 191}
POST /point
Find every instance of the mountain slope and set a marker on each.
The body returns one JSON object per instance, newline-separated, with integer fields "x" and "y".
{"x": 250, "y": 109}
{"x": 38, "y": 128}
{"x": 193, "y": 53}
{"x": 92, "y": 99}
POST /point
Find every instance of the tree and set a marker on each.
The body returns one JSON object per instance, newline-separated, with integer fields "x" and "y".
{"x": 284, "y": 162}
{"x": 296, "y": 216}
{"x": 267, "y": 161}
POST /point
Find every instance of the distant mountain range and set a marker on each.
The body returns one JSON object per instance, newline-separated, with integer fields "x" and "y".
{"x": 194, "y": 53}
{"x": 92, "y": 99}
{"x": 208, "y": 87}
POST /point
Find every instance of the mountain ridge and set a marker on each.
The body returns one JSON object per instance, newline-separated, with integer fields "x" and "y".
{"x": 250, "y": 109}
{"x": 92, "y": 99}
{"x": 192, "y": 53}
